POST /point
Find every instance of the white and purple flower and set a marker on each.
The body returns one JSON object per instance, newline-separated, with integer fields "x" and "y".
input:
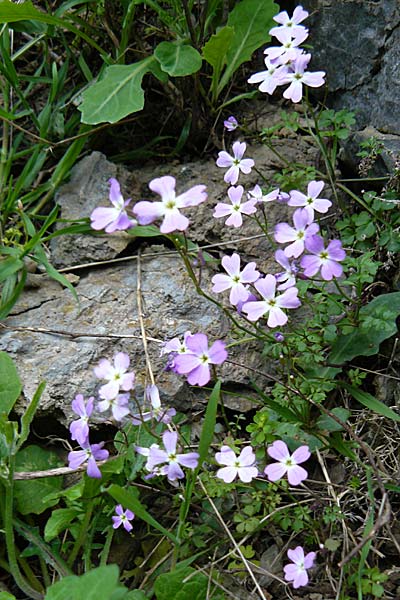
{"x": 195, "y": 363}
{"x": 236, "y": 164}
{"x": 112, "y": 219}
{"x": 242, "y": 466}
{"x": 325, "y": 259}
{"x": 287, "y": 463}
{"x": 157, "y": 456}
{"x": 235, "y": 280}
{"x": 296, "y": 571}
{"x": 116, "y": 375}
{"x": 236, "y": 209}
{"x": 271, "y": 304}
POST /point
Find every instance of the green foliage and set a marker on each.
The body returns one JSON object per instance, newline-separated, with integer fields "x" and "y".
{"x": 10, "y": 383}
{"x": 178, "y": 59}
{"x": 336, "y": 124}
{"x": 97, "y": 584}
{"x": 183, "y": 583}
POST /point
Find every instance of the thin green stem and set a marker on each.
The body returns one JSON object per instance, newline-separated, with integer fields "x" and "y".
{"x": 106, "y": 548}
{"x": 82, "y": 533}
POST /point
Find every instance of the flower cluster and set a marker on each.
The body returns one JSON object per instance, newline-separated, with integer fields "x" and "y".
{"x": 287, "y": 63}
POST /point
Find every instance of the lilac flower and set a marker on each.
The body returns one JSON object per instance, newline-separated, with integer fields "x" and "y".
{"x": 236, "y": 279}
{"x": 279, "y": 337}
{"x": 287, "y": 463}
{"x": 297, "y": 77}
{"x": 270, "y": 78}
{"x": 236, "y": 163}
{"x": 118, "y": 404}
{"x": 296, "y": 571}
{"x": 157, "y": 412}
{"x": 287, "y": 278}
{"x": 235, "y": 210}
{"x": 175, "y": 346}
{"x": 311, "y": 202}
{"x": 231, "y": 123}
{"x": 123, "y": 518}
{"x": 256, "y": 194}
{"x": 298, "y": 235}
{"x": 271, "y": 304}
{"x": 289, "y": 51}
{"x": 80, "y": 429}
{"x": 326, "y": 259}
{"x": 116, "y": 375}
{"x": 242, "y": 466}
{"x": 292, "y": 24}
{"x": 172, "y": 469}
{"x": 112, "y": 219}
{"x": 196, "y": 363}
{"x": 168, "y": 208}
{"x": 250, "y": 298}
{"x": 90, "y": 453}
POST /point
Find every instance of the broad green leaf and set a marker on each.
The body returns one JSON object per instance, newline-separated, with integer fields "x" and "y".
{"x": 207, "y": 431}
{"x": 11, "y": 12}
{"x": 98, "y": 584}
{"x": 29, "y": 413}
{"x": 8, "y": 266}
{"x": 129, "y": 499}
{"x": 59, "y": 521}
{"x": 6, "y": 596}
{"x": 30, "y": 495}
{"x": 371, "y": 402}
{"x": 173, "y": 585}
{"x": 251, "y": 21}
{"x": 377, "y": 323}
{"x": 118, "y": 94}
{"x": 10, "y": 383}
{"x": 215, "y": 50}
{"x": 144, "y": 231}
{"x": 177, "y": 59}
{"x": 325, "y": 422}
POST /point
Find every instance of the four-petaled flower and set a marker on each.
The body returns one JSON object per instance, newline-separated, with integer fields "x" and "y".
{"x": 90, "y": 453}
{"x": 242, "y": 466}
{"x": 270, "y": 78}
{"x": 116, "y": 375}
{"x": 231, "y": 123}
{"x": 236, "y": 163}
{"x": 168, "y": 208}
{"x": 326, "y": 259}
{"x": 172, "y": 469}
{"x": 80, "y": 429}
{"x": 298, "y": 235}
{"x": 236, "y": 209}
{"x": 112, "y": 219}
{"x": 118, "y": 404}
{"x": 297, "y": 77}
{"x": 296, "y": 571}
{"x": 287, "y": 463}
{"x": 290, "y": 23}
{"x": 123, "y": 517}
{"x": 236, "y": 279}
{"x": 290, "y": 41}
{"x": 310, "y": 202}
{"x": 271, "y": 304}
{"x": 196, "y": 362}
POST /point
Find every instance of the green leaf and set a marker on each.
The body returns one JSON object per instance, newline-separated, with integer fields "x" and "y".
{"x": 377, "y": 323}
{"x": 251, "y": 21}
{"x": 118, "y": 94}
{"x": 178, "y": 59}
{"x": 8, "y": 266}
{"x": 59, "y": 521}
{"x": 30, "y": 495}
{"x": 10, "y": 383}
{"x": 144, "y": 231}
{"x": 207, "y": 431}
{"x": 215, "y": 50}
{"x": 98, "y": 584}
{"x": 171, "y": 585}
{"x": 29, "y": 413}
{"x": 326, "y": 423}
{"x": 129, "y": 499}
{"x": 6, "y": 596}
{"x": 52, "y": 272}
{"x": 371, "y": 402}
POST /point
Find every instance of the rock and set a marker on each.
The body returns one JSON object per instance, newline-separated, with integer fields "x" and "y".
{"x": 384, "y": 163}
{"x": 358, "y": 45}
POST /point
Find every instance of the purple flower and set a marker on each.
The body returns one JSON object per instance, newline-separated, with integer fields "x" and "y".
{"x": 112, "y": 219}
{"x": 118, "y": 404}
{"x": 116, "y": 375}
{"x": 236, "y": 279}
{"x": 196, "y": 362}
{"x": 311, "y": 202}
{"x": 270, "y": 78}
{"x": 90, "y": 453}
{"x": 168, "y": 208}
{"x": 279, "y": 336}
{"x": 236, "y": 209}
{"x": 123, "y": 518}
{"x": 242, "y": 466}
{"x": 298, "y": 235}
{"x": 290, "y": 23}
{"x": 287, "y": 463}
{"x": 157, "y": 412}
{"x": 172, "y": 469}
{"x": 326, "y": 259}
{"x": 231, "y": 123}
{"x": 287, "y": 278}
{"x": 80, "y": 429}
{"x": 297, "y": 77}
{"x": 296, "y": 571}
{"x": 290, "y": 41}
{"x": 256, "y": 194}
{"x": 236, "y": 163}
{"x": 271, "y": 304}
